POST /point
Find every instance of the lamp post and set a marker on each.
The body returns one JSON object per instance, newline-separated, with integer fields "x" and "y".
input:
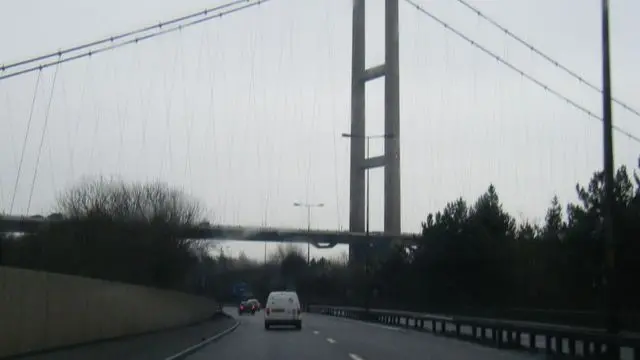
{"x": 367, "y": 197}
{"x": 308, "y": 206}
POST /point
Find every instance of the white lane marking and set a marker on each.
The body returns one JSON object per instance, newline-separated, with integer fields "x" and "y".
{"x": 316, "y": 332}
{"x": 381, "y": 326}
{"x": 331, "y": 341}
{"x": 355, "y": 357}
{"x": 197, "y": 346}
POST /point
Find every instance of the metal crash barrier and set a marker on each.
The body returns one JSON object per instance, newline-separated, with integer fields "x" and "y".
{"x": 553, "y": 339}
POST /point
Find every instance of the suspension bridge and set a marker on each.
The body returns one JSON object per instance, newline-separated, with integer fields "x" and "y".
{"x": 136, "y": 102}
{"x": 368, "y": 117}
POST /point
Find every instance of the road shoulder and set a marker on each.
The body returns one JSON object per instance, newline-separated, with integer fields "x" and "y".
{"x": 173, "y": 344}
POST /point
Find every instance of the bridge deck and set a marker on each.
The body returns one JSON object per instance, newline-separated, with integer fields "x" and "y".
{"x": 32, "y": 224}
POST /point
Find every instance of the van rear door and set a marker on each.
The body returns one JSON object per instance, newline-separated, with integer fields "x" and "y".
{"x": 283, "y": 306}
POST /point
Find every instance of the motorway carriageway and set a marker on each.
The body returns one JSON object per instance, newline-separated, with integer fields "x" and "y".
{"x": 329, "y": 338}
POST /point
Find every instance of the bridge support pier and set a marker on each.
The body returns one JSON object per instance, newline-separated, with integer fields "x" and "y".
{"x": 391, "y": 158}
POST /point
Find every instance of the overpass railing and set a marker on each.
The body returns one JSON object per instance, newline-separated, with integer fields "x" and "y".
{"x": 580, "y": 342}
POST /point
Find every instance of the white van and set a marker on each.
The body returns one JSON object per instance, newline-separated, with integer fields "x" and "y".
{"x": 282, "y": 308}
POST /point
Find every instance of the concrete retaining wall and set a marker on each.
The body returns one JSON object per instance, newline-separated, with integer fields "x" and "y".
{"x": 40, "y": 310}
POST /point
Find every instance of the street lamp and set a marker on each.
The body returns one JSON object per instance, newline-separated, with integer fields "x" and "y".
{"x": 308, "y": 206}
{"x": 367, "y": 220}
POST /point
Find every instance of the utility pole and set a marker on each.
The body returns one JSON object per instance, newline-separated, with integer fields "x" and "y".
{"x": 609, "y": 200}
{"x": 308, "y": 207}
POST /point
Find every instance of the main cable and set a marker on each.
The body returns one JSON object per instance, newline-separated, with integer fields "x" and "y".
{"x": 133, "y": 41}
{"x": 120, "y": 36}
{"x": 519, "y": 71}
{"x": 544, "y": 56}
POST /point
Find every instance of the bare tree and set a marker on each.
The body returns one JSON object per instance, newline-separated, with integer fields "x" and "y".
{"x": 114, "y": 199}
{"x": 130, "y": 232}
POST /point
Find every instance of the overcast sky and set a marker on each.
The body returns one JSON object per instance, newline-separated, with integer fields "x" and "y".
{"x": 245, "y": 112}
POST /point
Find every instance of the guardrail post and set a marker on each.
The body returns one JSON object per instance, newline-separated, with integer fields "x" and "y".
{"x": 517, "y": 338}
{"x": 547, "y": 344}
{"x": 572, "y": 346}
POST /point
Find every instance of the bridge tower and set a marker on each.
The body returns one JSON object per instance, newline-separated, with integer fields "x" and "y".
{"x": 391, "y": 158}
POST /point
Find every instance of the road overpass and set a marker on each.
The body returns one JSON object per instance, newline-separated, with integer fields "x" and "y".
{"x": 319, "y": 238}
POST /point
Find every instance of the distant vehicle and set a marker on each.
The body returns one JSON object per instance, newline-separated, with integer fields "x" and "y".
{"x": 254, "y": 303}
{"x": 246, "y": 307}
{"x": 282, "y": 308}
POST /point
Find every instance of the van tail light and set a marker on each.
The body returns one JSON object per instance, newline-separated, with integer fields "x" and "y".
{"x": 268, "y": 311}
{"x": 241, "y": 307}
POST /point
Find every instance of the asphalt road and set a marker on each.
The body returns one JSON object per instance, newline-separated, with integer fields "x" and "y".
{"x": 329, "y": 338}
{"x": 153, "y": 346}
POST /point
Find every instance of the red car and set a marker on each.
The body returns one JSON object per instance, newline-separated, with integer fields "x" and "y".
{"x": 249, "y": 306}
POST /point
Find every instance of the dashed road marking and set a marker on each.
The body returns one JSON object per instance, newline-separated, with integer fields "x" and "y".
{"x": 331, "y": 341}
{"x": 355, "y": 357}
{"x": 316, "y": 332}
{"x": 380, "y": 326}
{"x": 386, "y": 327}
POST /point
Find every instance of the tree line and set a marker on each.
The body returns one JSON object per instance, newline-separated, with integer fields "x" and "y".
{"x": 476, "y": 259}
{"x": 471, "y": 258}
{"x": 476, "y": 255}
{"x": 134, "y": 233}
{"x": 116, "y": 231}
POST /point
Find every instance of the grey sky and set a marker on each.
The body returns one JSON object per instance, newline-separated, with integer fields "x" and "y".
{"x": 252, "y": 105}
